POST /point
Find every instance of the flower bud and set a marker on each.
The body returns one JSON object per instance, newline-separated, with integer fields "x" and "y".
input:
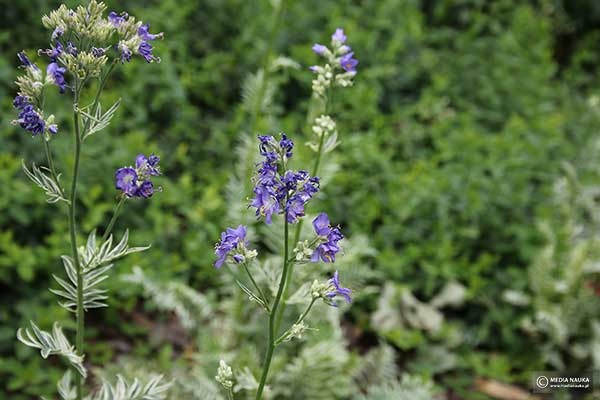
{"x": 224, "y": 375}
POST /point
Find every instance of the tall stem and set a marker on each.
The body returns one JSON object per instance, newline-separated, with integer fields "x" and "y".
{"x": 276, "y": 302}
{"x": 103, "y": 80}
{"x": 73, "y": 235}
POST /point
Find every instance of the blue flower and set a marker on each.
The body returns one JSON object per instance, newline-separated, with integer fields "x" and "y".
{"x": 328, "y": 248}
{"x": 338, "y": 290}
{"x": 125, "y": 53}
{"x": 146, "y": 189}
{"x": 145, "y": 35}
{"x": 116, "y": 19}
{"x": 20, "y": 101}
{"x": 230, "y": 240}
{"x": 57, "y": 74}
{"x": 265, "y": 202}
{"x": 321, "y": 224}
{"x": 54, "y": 52}
{"x": 126, "y": 181}
{"x": 339, "y": 36}
{"x": 147, "y": 165}
{"x": 286, "y": 145}
{"x": 145, "y": 48}
{"x": 348, "y": 63}
{"x": 58, "y": 32}
{"x": 28, "y": 118}
{"x": 25, "y": 60}
{"x": 304, "y": 190}
{"x": 54, "y": 71}
{"x": 319, "y": 49}
{"x": 136, "y": 182}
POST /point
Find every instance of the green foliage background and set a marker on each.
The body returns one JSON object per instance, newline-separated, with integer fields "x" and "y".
{"x": 452, "y": 143}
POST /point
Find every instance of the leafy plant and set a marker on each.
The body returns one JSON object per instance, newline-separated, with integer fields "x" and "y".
{"x": 86, "y": 47}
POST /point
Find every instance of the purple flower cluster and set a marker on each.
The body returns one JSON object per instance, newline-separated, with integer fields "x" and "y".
{"x": 136, "y": 182}
{"x": 144, "y": 48}
{"x": 54, "y": 71}
{"x": 347, "y": 60}
{"x": 230, "y": 240}
{"x": 338, "y": 290}
{"x": 29, "y": 118}
{"x": 275, "y": 192}
{"x": 328, "y": 248}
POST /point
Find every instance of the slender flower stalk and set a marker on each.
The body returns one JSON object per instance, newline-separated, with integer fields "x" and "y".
{"x": 280, "y": 191}
{"x": 73, "y": 236}
{"x": 340, "y": 58}
{"x": 272, "y": 316}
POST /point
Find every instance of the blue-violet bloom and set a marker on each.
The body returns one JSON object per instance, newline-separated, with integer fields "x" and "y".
{"x": 57, "y": 74}
{"x": 348, "y": 63}
{"x": 28, "y": 118}
{"x": 136, "y": 182}
{"x": 230, "y": 240}
{"x": 327, "y": 249}
{"x": 339, "y": 36}
{"x": 145, "y": 48}
{"x": 319, "y": 49}
{"x": 25, "y": 61}
{"x": 116, "y": 19}
{"x": 338, "y": 290}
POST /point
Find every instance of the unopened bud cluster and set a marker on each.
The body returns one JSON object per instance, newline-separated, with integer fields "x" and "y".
{"x": 324, "y": 126}
{"x": 303, "y": 251}
{"x": 224, "y": 375}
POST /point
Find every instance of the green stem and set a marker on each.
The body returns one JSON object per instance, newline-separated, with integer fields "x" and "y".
{"x": 276, "y": 302}
{"x": 80, "y": 312}
{"x": 299, "y": 320}
{"x": 114, "y": 218}
{"x": 73, "y": 235}
{"x": 103, "y": 80}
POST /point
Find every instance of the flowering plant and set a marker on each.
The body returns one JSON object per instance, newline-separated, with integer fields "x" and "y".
{"x": 280, "y": 190}
{"x": 85, "y": 48}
